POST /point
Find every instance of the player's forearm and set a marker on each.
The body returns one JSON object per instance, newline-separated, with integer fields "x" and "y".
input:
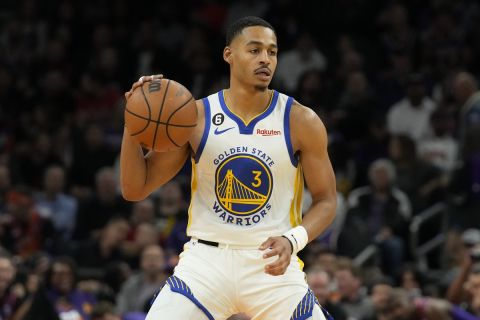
{"x": 319, "y": 217}
{"x": 133, "y": 168}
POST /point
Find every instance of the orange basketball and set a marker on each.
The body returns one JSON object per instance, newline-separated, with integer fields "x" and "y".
{"x": 161, "y": 115}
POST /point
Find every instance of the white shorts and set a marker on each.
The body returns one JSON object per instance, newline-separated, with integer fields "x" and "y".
{"x": 221, "y": 282}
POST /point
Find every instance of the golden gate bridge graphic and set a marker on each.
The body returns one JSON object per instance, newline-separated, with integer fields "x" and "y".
{"x": 232, "y": 191}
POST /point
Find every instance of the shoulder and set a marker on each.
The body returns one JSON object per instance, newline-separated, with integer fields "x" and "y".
{"x": 200, "y": 105}
{"x": 306, "y": 127}
{"x": 203, "y": 104}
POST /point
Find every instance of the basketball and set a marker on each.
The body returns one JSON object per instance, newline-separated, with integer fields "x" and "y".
{"x": 161, "y": 115}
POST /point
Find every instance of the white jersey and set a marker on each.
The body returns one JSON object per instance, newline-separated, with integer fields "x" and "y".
{"x": 246, "y": 181}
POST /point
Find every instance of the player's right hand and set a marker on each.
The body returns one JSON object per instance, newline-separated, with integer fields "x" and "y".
{"x": 278, "y": 246}
{"x": 141, "y": 81}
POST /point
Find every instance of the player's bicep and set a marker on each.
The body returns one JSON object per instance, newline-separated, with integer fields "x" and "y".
{"x": 317, "y": 168}
{"x": 163, "y": 166}
{"x": 319, "y": 174}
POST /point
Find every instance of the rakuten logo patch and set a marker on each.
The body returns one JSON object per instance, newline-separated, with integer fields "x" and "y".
{"x": 266, "y": 132}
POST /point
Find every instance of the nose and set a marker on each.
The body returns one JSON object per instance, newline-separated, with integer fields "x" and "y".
{"x": 264, "y": 58}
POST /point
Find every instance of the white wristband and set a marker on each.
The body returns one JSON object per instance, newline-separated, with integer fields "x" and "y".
{"x": 298, "y": 236}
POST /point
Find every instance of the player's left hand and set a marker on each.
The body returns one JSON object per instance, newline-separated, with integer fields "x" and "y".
{"x": 279, "y": 246}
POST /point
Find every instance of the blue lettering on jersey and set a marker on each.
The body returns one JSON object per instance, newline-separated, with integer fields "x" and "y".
{"x": 241, "y": 221}
{"x": 229, "y": 152}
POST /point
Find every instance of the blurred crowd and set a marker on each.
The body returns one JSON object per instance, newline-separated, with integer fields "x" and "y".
{"x": 395, "y": 83}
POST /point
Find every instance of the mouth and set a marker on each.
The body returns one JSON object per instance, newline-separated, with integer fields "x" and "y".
{"x": 263, "y": 73}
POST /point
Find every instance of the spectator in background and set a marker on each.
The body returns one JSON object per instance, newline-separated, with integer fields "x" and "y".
{"x": 138, "y": 291}
{"x": 458, "y": 291}
{"x": 391, "y": 82}
{"x": 411, "y": 115}
{"x": 411, "y": 281}
{"x": 28, "y": 166}
{"x": 373, "y": 147}
{"x": 472, "y": 286}
{"x": 89, "y": 155}
{"x": 23, "y": 231}
{"x": 5, "y": 185}
{"x": 62, "y": 140}
{"x": 104, "y": 310}
{"x": 146, "y": 234}
{"x": 381, "y": 291}
{"x": 293, "y": 63}
{"x": 56, "y": 97}
{"x": 378, "y": 213}
{"x": 312, "y": 91}
{"x": 143, "y": 212}
{"x": 351, "y": 60}
{"x": 61, "y": 299}
{"x": 356, "y": 106}
{"x": 62, "y": 291}
{"x": 143, "y": 229}
{"x": 93, "y": 255}
{"x": 354, "y": 299}
{"x": 320, "y": 282}
{"x": 398, "y": 34}
{"x": 329, "y": 237}
{"x": 465, "y": 184}
{"x": 52, "y": 203}
{"x": 95, "y": 101}
{"x": 400, "y": 306}
{"x": 328, "y": 260}
{"x": 9, "y": 99}
{"x": 173, "y": 217}
{"x": 443, "y": 42}
{"x": 10, "y": 298}
{"x": 467, "y": 95}
{"x": 441, "y": 148}
{"x": 422, "y": 182}
{"x": 98, "y": 209}
{"x": 198, "y": 60}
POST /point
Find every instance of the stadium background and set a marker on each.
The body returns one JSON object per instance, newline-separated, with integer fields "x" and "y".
{"x": 394, "y": 82}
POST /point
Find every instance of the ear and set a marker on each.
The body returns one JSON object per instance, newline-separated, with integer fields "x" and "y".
{"x": 227, "y": 55}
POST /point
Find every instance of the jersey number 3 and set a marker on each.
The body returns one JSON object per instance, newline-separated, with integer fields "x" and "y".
{"x": 257, "y": 181}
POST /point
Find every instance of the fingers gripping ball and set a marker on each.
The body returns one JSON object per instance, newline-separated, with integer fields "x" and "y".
{"x": 161, "y": 115}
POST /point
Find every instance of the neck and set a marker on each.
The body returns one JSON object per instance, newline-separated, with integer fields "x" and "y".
{"x": 247, "y": 102}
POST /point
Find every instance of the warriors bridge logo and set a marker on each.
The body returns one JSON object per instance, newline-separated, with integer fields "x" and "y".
{"x": 243, "y": 185}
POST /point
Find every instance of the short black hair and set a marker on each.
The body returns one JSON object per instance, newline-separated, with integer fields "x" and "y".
{"x": 250, "y": 21}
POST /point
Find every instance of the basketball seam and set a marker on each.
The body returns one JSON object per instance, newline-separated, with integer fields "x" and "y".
{"x": 170, "y": 117}
{"x": 159, "y": 122}
{"x": 149, "y": 114}
{"x": 159, "y": 115}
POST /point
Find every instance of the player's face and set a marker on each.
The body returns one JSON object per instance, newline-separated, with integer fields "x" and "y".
{"x": 252, "y": 56}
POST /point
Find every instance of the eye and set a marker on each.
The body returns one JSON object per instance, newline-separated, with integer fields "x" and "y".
{"x": 273, "y": 52}
{"x": 254, "y": 51}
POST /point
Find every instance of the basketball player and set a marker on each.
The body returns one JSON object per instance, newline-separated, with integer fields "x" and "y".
{"x": 250, "y": 152}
